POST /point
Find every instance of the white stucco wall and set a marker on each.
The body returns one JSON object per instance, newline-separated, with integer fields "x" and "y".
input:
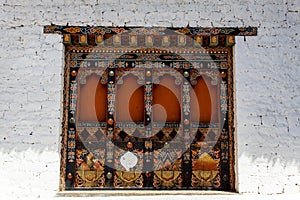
{"x": 267, "y": 84}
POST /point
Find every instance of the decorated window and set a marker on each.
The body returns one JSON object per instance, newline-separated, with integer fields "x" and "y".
{"x": 148, "y": 108}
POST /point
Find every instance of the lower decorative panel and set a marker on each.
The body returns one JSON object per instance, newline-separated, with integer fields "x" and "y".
{"x": 128, "y": 179}
{"x": 167, "y": 179}
{"x": 206, "y": 179}
{"x": 90, "y": 179}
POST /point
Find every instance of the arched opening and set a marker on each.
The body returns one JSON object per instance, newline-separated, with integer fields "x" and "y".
{"x": 166, "y": 94}
{"x": 92, "y": 100}
{"x": 204, "y": 101}
{"x": 130, "y": 100}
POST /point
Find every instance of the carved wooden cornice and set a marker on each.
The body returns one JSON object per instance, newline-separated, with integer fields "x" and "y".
{"x": 150, "y": 37}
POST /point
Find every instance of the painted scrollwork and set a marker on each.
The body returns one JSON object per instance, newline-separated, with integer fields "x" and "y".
{"x": 84, "y": 73}
{"x": 138, "y": 73}
{"x": 212, "y": 74}
{"x": 159, "y": 73}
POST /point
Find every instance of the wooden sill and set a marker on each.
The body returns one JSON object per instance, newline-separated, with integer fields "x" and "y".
{"x": 103, "y": 193}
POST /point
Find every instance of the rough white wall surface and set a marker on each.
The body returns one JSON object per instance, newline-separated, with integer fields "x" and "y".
{"x": 267, "y": 84}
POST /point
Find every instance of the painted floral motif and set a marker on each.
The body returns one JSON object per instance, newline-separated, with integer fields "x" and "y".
{"x": 119, "y": 30}
{"x": 186, "y": 98}
{"x": 72, "y": 29}
{"x": 184, "y": 31}
{"x": 224, "y": 98}
{"x": 111, "y": 97}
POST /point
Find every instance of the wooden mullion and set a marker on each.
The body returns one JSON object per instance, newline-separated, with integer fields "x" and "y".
{"x": 110, "y": 125}
{"x": 186, "y": 125}
{"x": 148, "y": 145}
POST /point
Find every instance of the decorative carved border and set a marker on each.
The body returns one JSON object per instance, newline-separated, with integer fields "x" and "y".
{"x": 64, "y": 134}
{"x": 100, "y": 30}
{"x": 231, "y": 123}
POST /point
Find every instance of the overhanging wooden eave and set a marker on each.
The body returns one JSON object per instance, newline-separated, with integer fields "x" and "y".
{"x": 101, "y": 30}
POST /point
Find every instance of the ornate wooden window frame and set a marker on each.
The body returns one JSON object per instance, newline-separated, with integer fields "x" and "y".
{"x": 214, "y": 40}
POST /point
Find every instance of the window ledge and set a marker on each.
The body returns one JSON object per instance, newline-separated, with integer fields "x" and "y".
{"x": 104, "y": 193}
